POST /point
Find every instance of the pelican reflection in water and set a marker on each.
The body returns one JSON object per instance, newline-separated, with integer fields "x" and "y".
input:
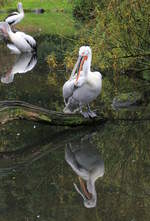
{"x": 87, "y": 164}
{"x": 23, "y": 64}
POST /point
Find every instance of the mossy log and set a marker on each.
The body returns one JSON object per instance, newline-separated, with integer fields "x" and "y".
{"x": 14, "y": 110}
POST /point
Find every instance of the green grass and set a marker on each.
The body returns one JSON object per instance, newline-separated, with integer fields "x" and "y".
{"x": 46, "y": 4}
{"x": 57, "y": 19}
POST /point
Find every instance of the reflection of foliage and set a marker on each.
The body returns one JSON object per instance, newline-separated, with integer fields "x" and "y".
{"x": 52, "y": 79}
{"x": 45, "y": 187}
{"x": 51, "y": 60}
{"x": 54, "y": 47}
{"x": 20, "y": 135}
{"x": 126, "y": 155}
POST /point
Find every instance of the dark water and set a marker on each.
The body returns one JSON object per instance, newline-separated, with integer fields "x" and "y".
{"x": 36, "y": 180}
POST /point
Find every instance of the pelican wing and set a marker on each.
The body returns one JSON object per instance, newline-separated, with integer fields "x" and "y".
{"x": 11, "y": 15}
{"x": 24, "y": 63}
{"x": 31, "y": 64}
{"x": 29, "y": 39}
{"x": 71, "y": 86}
{"x": 68, "y": 89}
{"x": 71, "y": 159}
{"x": 11, "y": 18}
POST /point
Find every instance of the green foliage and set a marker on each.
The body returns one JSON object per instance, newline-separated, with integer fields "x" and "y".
{"x": 3, "y": 2}
{"x": 84, "y": 9}
{"x": 119, "y": 35}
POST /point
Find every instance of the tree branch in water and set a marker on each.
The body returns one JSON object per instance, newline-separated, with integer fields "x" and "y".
{"x": 15, "y": 110}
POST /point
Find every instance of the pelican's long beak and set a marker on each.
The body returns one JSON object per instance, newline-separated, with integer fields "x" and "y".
{"x": 75, "y": 67}
{"x": 85, "y": 194}
{"x": 82, "y": 60}
{"x": 78, "y": 66}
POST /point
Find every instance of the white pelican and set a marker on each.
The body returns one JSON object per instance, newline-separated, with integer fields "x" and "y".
{"x": 15, "y": 17}
{"x": 24, "y": 63}
{"x": 87, "y": 164}
{"x": 83, "y": 87}
{"x": 20, "y": 42}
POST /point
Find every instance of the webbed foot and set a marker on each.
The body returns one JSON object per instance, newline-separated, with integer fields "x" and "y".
{"x": 92, "y": 114}
{"x": 85, "y": 114}
{"x": 88, "y": 114}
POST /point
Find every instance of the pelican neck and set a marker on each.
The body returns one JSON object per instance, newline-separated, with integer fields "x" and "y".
{"x": 10, "y": 31}
{"x": 87, "y": 65}
{"x": 21, "y": 11}
{"x": 91, "y": 186}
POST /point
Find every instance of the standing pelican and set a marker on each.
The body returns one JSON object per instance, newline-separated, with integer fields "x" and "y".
{"x": 83, "y": 87}
{"x": 24, "y": 63}
{"x": 88, "y": 165}
{"x": 20, "y": 42}
{"x": 15, "y": 17}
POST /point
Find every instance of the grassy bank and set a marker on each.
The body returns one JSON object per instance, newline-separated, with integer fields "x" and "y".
{"x": 57, "y": 19}
{"x": 46, "y": 4}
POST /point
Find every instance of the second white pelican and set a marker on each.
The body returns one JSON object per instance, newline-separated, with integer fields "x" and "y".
{"x": 15, "y": 17}
{"x": 83, "y": 87}
{"x": 20, "y": 42}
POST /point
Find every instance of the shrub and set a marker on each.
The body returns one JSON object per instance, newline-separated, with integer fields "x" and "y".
{"x": 119, "y": 35}
{"x": 3, "y": 2}
{"x": 84, "y": 9}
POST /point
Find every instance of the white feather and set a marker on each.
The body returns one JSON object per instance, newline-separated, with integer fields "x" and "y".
{"x": 15, "y": 17}
{"x": 23, "y": 42}
{"x": 13, "y": 49}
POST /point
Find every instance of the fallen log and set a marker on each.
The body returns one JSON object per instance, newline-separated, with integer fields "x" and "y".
{"x": 17, "y": 110}
{"x": 14, "y": 110}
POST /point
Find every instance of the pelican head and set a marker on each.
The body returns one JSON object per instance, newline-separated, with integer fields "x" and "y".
{"x": 83, "y": 62}
{"x": 7, "y": 79}
{"x": 88, "y": 193}
{"x": 85, "y": 51}
{"x": 20, "y": 7}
